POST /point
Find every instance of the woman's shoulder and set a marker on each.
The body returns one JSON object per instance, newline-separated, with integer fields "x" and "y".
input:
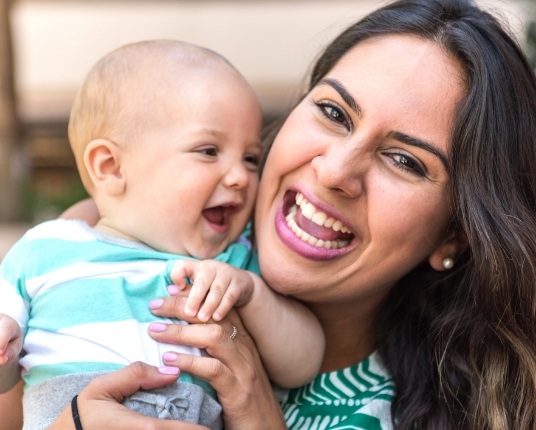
{"x": 359, "y": 396}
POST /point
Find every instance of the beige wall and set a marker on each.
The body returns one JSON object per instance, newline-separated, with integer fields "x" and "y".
{"x": 271, "y": 42}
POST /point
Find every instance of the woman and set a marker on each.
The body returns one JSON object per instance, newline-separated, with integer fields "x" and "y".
{"x": 416, "y": 138}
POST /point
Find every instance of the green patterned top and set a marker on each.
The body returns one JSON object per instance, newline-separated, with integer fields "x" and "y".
{"x": 358, "y": 397}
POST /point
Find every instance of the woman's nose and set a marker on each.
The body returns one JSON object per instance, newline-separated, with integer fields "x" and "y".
{"x": 340, "y": 169}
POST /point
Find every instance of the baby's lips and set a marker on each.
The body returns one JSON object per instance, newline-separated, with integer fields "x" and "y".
{"x": 215, "y": 215}
{"x": 218, "y": 214}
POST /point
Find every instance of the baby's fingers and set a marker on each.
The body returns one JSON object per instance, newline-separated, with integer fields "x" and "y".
{"x": 201, "y": 285}
{"x": 181, "y": 271}
{"x": 226, "y": 304}
{"x": 5, "y": 337}
{"x": 10, "y": 339}
{"x": 4, "y": 358}
{"x": 217, "y": 296}
{"x": 11, "y": 353}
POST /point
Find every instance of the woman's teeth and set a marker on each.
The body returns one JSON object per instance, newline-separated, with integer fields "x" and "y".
{"x": 318, "y": 217}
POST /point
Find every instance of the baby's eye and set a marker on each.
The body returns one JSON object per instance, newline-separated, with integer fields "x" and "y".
{"x": 334, "y": 113}
{"x": 211, "y": 152}
{"x": 252, "y": 161}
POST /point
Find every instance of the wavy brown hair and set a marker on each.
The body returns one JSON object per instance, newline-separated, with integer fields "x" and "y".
{"x": 461, "y": 344}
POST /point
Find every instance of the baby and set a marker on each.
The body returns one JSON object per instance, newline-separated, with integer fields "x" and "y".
{"x": 166, "y": 140}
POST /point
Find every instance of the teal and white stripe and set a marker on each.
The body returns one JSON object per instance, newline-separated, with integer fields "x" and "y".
{"x": 358, "y": 397}
{"x": 81, "y": 298}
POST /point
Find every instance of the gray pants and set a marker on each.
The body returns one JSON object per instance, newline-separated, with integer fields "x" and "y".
{"x": 181, "y": 401}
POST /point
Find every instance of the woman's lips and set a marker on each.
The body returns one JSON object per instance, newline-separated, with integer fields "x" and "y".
{"x": 309, "y": 231}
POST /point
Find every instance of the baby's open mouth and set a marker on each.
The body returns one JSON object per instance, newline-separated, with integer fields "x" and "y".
{"x": 314, "y": 226}
{"x": 218, "y": 215}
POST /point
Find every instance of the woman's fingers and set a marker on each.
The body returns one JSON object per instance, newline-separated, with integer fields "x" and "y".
{"x": 216, "y": 338}
{"x": 210, "y": 336}
{"x": 99, "y": 404}
{"x": 173, "y": 307}
{"x": 234, "y": 369}
{"x": 128, "y": 380}
{"x": 210, "y": 369}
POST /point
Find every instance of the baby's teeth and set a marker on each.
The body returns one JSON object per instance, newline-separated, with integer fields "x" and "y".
{"x": 329, "y": 222}
{"x": 337, "y": 225}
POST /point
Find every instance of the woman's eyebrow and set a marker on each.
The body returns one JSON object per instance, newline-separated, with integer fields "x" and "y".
{"x": 346, "y": 96}
{"x": 419, "y": 143}
{"x": 402, "y": 137}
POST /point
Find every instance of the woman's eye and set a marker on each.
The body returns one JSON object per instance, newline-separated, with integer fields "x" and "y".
{"x": 407, "y": 164}
{"x": 334, "y": 113}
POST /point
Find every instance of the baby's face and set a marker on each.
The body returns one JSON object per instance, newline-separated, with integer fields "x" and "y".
{"x": 192, "y": 177}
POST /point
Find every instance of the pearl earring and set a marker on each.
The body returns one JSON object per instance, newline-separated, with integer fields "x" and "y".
{"x": 448, "y": 263}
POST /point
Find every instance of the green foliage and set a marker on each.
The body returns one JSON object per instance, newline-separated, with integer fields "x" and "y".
{"x": 41, "y": 205}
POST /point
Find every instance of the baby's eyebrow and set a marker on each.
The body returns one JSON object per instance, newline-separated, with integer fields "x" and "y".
{"x": 211, "y": 131}
{"x": 343, "y": 92}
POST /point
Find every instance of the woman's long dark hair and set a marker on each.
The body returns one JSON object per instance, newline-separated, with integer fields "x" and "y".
{"x": 461, "y": 344}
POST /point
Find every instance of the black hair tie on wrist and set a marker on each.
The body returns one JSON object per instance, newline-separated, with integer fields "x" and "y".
{"x": 76, "y": 416}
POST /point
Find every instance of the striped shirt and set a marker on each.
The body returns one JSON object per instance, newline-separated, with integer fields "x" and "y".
{"x": 81, "y": 299}
{"x": 358, "y": 397}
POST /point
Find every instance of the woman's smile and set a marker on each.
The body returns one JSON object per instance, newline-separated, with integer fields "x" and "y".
{"x": 311, "y": 231}
{"x": 357, "y": 168}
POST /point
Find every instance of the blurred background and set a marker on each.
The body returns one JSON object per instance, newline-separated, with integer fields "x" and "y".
{"x": 47, "y": 46}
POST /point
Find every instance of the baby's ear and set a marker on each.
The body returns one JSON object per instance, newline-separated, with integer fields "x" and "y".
{"x": 447, "y": 253}
{"x": 103, "y": 163}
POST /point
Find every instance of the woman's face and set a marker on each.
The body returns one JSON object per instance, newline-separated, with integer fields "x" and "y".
{"x": 354, "y": 192}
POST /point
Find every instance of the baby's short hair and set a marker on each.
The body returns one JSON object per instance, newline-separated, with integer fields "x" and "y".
{"x": 114, "y": 102}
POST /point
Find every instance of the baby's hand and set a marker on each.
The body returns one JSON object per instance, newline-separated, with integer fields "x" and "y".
{"x": 10, "y": 339}
{"x": 216, "y": 288}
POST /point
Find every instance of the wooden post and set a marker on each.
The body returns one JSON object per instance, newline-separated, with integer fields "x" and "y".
{"x": 12, "y": 170}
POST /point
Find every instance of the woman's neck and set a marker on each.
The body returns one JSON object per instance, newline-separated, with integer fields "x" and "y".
{"x": 349, "y": 333}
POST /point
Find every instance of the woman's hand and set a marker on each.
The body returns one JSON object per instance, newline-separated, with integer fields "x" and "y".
{"x": 234, "y": 369}
{"x": 84, "y": 210}
{"x": 99, "y": 404}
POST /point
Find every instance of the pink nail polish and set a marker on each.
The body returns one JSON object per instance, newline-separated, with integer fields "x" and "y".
{"x": 170, "y": 356}
{"x": 157, "y": 327}
{"x": 173, "y": 290}
{"x": 156, "y": 304}
{"x": 169, "y": 370}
